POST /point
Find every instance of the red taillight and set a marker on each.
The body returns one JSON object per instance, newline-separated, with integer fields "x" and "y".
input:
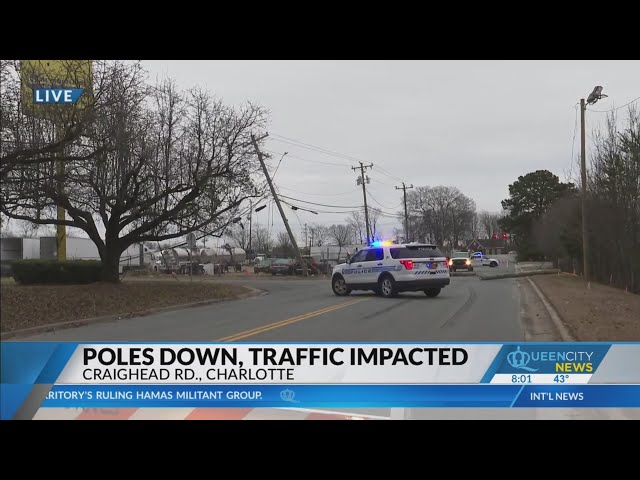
{"x": 408, "y": 264}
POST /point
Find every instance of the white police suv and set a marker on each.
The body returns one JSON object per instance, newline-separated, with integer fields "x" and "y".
{"x": 388, "y": 268}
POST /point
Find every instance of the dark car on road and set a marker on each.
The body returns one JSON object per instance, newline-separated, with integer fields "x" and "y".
{"x": 282, "y": 266}
{"x": 460, "y": 261}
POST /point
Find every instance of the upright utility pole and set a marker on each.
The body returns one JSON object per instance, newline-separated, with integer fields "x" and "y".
{"x": 250, "y": 257}
{"x": 305, "y": 272}
{"x": 406, "y": 214}
{"x": 61, "y": 230}
{"x": 362, "y": 169}
{"x": 583, "y": 167}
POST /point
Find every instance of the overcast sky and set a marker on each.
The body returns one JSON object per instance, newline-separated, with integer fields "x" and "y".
{"x": 475, "y": 125}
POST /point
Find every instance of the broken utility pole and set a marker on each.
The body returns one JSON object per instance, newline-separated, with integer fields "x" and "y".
{"x": 254, "y": 141}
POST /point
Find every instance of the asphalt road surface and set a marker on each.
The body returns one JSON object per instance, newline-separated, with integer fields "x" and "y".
{"x": 307, "y": 310}
{"x": 299, "y": 310}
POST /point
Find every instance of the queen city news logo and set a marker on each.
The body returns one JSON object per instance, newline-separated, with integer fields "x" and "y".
{"x": 551, "y": 361}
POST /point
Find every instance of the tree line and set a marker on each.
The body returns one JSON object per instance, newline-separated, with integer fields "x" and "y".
{"x": 545, "y": 214}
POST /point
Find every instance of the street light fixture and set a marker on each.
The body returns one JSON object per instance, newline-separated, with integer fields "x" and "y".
{"x": 593, "y": 97}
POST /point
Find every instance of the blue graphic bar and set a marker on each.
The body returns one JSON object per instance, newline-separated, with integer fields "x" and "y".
{"x": 343, "y": 396}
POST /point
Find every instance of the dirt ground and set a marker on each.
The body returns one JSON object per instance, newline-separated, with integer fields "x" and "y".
{"x": 598, "y": 314}
{"x": 30, "y": 305}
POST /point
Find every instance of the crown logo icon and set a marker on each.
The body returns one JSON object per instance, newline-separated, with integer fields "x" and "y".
{"x": 520, "y": 360}
{"x": 287, "y": 395}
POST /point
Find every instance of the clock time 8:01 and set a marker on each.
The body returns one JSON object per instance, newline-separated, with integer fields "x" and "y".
{"x": 520, "y": 378}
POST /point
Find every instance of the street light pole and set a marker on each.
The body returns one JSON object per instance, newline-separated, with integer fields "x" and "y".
{"x": 593, "y": 97}
{"x": 583, "y": 171}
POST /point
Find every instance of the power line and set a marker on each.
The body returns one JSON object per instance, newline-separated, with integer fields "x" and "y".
{"x": 333, "y": 153}
{"x": 390, "y": 175}
{"x": 307, "y": 160}
{"x": 614, "y": 109}
{"x": 320, "y": 204}
{"x": 316, "y": 148}
{"x": 375, "y": 200}
{"x": 319, "y": 194}
{"x": 382, "y": 183}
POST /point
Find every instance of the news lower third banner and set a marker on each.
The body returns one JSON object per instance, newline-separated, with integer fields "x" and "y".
{"x": 360, "y": 375}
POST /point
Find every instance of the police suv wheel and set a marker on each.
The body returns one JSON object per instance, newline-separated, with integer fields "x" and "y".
{"x": 432, "y": 292}
{"x": 339, "y": 286}
{"x": 388, "y": 286}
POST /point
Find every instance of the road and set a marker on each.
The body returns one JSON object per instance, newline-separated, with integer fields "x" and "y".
{"x": 306, "y": 310}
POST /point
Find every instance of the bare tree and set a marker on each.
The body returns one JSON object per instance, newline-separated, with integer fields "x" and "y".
{"x": 357, "y": 223}
{"x": 284, "y": 245}
{"x": 474, "y": 226}
{"x": 150, "y": 163}
{"x": 319, "y": 234}
{"x": 341, "y": 234}
{"x": 262, "y": 239}
{"x": 29, "y": 230}
{"x": 398, "y": 233}
{"x": 488, "y": 224}
{"x": 441, "y": 215}
{"x": 239, "y": 236}
{"x": 374, "y": 217}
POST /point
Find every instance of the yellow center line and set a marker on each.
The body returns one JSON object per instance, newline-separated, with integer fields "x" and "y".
{"x": 288, "y": 321}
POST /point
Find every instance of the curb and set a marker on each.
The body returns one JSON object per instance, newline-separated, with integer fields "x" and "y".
{"x": 518, "y": 274}
{"x": 52, "y": 327}
{"x": 555, "y": 317}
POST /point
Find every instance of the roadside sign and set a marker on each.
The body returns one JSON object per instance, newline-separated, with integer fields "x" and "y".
{"x": 191, "y": 240}
{"x": 47, "y": 84}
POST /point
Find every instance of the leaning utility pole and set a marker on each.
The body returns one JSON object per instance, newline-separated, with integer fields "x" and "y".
{"x": 277, "y": 200}
{"x": 406, "y": 215}
{"x": 362, "y": 168}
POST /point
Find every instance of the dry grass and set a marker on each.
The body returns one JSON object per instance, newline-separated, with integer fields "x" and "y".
{"x": 30, "y": 305}
{"x": 598, "y": 314}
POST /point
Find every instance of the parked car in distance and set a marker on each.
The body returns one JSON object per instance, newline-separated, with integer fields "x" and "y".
{"x": 283, "y": 266}
{"x": 460, "y": 261}
{"x": 488, "y": 261}
{"x": 263, "y": 265}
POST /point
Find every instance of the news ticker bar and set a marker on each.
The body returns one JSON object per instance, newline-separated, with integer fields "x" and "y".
{"x": 343, "y": 396}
